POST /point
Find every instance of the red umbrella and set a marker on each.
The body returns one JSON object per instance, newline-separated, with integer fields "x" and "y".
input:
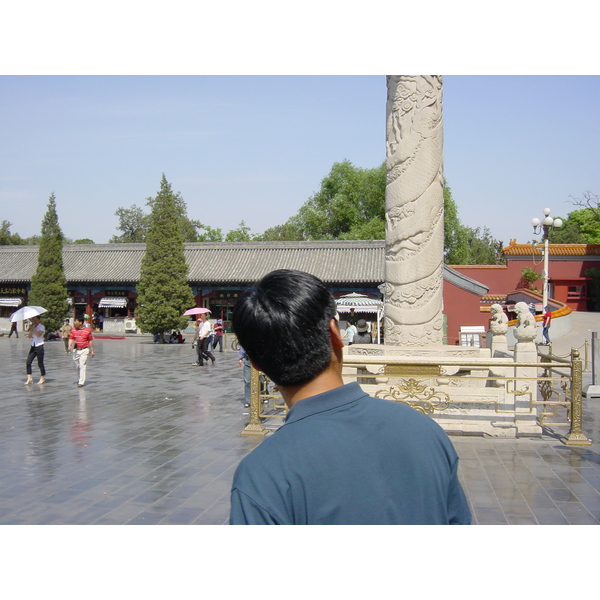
{"x": 196, "y": 311}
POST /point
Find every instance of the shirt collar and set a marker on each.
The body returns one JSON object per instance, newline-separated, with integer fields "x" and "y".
{"x": 332, "y": 399}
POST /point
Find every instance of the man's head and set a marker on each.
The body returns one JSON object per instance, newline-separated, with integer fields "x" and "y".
{"x": 283, "y": 323}
{"x": 78, "y": 322}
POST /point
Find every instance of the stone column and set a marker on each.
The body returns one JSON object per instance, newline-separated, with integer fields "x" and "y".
{"x": 525, "y": 390}
{"x": 414, "y": 204}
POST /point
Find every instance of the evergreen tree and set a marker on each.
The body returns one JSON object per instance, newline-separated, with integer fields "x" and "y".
{"x": 163, "y": 291}
{"x": 49, "y": 285}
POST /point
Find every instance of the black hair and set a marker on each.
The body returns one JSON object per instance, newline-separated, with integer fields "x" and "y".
{"x": 282, "y": 322}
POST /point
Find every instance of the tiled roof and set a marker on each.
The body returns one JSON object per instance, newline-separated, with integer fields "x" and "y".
{"x": 515, "y": 249}
{"x": 239, "y": 262}
{"x": 343, "y": 262}
{"x": 331, "y": 261}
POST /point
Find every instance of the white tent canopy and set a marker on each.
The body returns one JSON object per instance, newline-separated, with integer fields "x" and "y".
{"x": 361, "y": 303}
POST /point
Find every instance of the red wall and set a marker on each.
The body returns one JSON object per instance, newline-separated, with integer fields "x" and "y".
{"x": 462, "y": 309}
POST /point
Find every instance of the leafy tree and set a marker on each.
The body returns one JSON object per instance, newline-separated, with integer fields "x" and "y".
{"x": 528, "y": 278}
{"x": 467, "y": 245}
{"x": 34, "y": 240}
{"x": 456, "y": 235}
{"x": 134, "y": 224}
{"x": 348, "y": 198}
{"x": 241, "y": 234}
{"x": 163, "y": 291}
{"x": 48, "y": 284}
{"x": 581, "y": 226}
{"x": 483, "y": 248}
{"x": 83, "y": 241}
{"x": 589, "y": 201}
{"x": 210, "y": 234}
{"x": 280, "y": 233}
{"x": 6, "y": 237}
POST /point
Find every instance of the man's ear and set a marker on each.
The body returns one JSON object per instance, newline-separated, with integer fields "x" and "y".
{"x": 335, "y": 335}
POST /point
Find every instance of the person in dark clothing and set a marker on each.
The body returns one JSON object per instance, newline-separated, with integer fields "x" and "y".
{"x": 363, "y": 336}
{"x": 13, "y": 329}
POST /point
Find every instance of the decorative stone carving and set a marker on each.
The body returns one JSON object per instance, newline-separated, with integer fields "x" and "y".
{"x": 499, "y": 322}
{"x": 414, "y": 211}
{"x": 525, "y": 330}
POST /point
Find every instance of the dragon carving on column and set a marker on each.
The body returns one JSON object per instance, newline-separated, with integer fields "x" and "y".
{"x": 414, "y": 211}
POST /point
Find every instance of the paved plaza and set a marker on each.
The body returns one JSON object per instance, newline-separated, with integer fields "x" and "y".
{"x": 151, "y": 439}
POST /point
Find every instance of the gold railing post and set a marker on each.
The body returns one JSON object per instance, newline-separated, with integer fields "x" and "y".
{"x": 255, "y": 426}
{"x": 576, "y": 436}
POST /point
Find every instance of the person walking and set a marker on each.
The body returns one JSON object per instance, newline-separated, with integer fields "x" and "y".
{"x": 244, "y": 362}
{"x": 36, "y": 333}
{"x": 203, "y": 331}
{"x": 546, "y": 320}
{"x": 342, "y": 457}
{"x": 218, "y": 335}
{"x": 13, "y": 329}
{"x": 65, "y": 332}
{"x": 81, "y": 341}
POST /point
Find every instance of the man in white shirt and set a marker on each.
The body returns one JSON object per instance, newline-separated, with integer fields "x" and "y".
{"x": 202, "y": 338}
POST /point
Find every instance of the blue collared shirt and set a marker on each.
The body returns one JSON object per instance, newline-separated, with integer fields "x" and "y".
{"x": 343, "y": 457}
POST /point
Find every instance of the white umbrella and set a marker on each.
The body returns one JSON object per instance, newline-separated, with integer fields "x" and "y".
{"x": 26, "y": 313}
{"x": 196, "y": 311}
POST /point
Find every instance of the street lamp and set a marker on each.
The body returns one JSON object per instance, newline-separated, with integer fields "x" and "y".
{"x": 544, "y": 227}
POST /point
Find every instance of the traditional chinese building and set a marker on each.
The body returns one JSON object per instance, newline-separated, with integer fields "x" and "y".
{"x": 103, "y": 277}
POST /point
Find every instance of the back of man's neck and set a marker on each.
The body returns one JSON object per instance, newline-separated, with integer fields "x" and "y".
{"x": 326, "y": 381}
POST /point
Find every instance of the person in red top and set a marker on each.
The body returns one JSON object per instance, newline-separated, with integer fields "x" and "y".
{"x": 546, "y": 319}
{"x": 81, "y": 341}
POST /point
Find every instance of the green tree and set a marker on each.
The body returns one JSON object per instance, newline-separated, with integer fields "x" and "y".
{"x": 456, "y": 235}
{"x": 348, "y": 198}
{"x": 467, "y": 245}
{"x": 241, "y": 234}
{"x": 163, "y": 291}
{"x": 483, "y": 248}
{"x": 528, "y": 278}
{"x": 6, "y": 237}
{"x": 83, "y": 241}
{"x": 280, "y": 233}
{"x": 188, "y": 227}
{"x": 48, "y": 284}
{"x": 34, "y": 240}
{"x": 133, "y": 223}
{"x": 210, "y": 234}
{"x": 581, "y": 226}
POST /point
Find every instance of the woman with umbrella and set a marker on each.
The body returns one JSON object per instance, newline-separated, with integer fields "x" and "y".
{"x": 36, "y": 332}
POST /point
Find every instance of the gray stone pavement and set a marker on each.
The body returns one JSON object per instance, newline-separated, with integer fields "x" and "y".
{"x": 151, "y": 439}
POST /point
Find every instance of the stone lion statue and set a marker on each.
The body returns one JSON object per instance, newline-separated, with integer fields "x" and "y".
{"x": 525, "y": 330}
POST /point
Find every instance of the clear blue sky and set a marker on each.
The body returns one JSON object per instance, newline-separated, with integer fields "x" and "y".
{"x": 254, "y": 148}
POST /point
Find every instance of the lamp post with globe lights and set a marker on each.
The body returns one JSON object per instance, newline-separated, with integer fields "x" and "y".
{"x": 544, "y": 226}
